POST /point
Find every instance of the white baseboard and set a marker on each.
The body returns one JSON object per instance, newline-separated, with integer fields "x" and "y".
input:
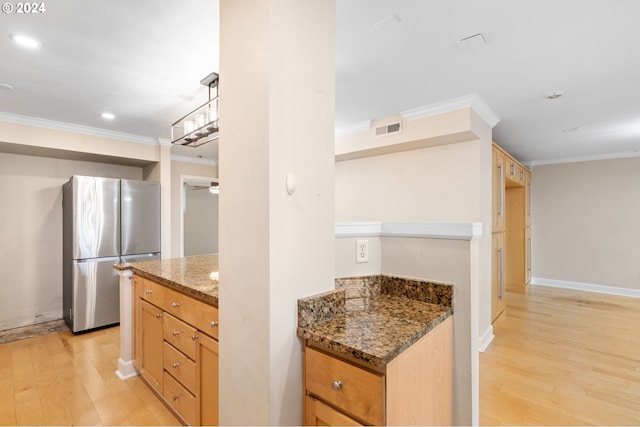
{"x": 126, "y": 369}
{"x": 486, "y": 338}
{"x": 588, "y": 287}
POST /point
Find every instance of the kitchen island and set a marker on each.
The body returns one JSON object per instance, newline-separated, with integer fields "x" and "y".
{"x": 169, "y": 310}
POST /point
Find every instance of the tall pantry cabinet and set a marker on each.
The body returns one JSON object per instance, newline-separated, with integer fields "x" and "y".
{"x": 511, "y": 228}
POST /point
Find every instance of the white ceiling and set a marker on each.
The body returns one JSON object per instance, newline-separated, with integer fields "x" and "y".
{"x": 143, "y": 61}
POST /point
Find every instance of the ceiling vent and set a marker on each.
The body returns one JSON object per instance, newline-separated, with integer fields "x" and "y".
{"x": 388, "y": 129}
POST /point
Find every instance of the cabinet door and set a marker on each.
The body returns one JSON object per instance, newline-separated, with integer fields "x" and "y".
{"x": 497, "y": 276}
{"x": 319, "y": 414}
{"x": 151, "y": 344}
{"x": 527, "y": 197}
{"x": 207, "y": 355}
{"x": 527, "y": 254}
{"x": 498, "y": 190}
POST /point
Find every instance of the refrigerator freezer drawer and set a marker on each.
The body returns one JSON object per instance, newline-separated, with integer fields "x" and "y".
{"x": 96, "y": 294}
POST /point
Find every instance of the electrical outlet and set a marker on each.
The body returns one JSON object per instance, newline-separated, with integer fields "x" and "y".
{"x": 362, "y": 251}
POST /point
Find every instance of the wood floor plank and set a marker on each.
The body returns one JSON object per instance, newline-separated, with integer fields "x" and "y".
{"x": 563, "y": 357}
{"x": 67, "y": 379}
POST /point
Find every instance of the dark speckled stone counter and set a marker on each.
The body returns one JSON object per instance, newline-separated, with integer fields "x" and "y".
{"x": 196, "y": 276}
{"x": 374, "y": 318}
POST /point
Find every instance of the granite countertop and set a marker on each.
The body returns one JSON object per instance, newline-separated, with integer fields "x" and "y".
{"x": 378, "y": 323}
{"x": 196, "y": 276}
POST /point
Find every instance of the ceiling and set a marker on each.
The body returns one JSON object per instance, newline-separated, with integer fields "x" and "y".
{"x": 143, "y": 60}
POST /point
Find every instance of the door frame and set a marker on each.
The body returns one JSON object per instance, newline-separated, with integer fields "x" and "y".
{"x": 194, "y": 180}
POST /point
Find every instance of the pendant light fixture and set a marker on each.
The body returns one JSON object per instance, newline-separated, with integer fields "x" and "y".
{"x": 200, "y": 125}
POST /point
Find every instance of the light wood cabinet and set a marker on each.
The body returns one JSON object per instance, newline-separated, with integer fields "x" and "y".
{"x": 176, "y": 350}
{"x": 415, "y": 388}
{"x": 150, "y": 336}
{"x": 498, "y": 190}
{"x": 207, "y": 381}
{"x": 497, "y": 275}
{"x": 511, "y": 258}
{"x": 319, "y": 414}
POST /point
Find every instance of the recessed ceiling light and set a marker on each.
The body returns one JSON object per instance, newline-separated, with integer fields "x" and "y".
{"x": 108, "y": 116}
{"x": 554, "y": 95}
{"x": 6, "y": 86}
{"x": 25, "y": 41}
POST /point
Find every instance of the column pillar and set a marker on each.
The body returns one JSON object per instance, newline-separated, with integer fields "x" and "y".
{"x": 276, "y": 236}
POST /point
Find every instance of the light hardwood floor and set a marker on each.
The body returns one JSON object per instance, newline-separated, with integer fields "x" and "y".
{"x": 66, "y": 379}
{"x": 563, "y": 357}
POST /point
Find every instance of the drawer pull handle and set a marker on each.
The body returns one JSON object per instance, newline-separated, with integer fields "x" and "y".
{"x": 214, "y": 323}
{"x": 194, "y": 337}
{"x": 175, "y": 304}
{"x": 147, "y": 291}
{"x": 175, "y": 365}
{"x": 175, "y": 397}
{"x": 336, "y": 385}
{"x": 158, "y": 315}
{"x": 175, "y": 333}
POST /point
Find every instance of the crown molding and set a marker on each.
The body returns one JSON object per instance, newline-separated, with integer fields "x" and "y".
{"x": 196, "y": 160}
{"x": 590, "y": 158}
{"x": 472, "y": 101}
{"x": 70, "y": 127}
{"x": 354, "y": 128}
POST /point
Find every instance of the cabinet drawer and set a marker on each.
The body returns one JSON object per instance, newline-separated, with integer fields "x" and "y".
{"x": 179, "y": 366}
{"x": 207, "y": 319}
{"x": 359, "y": 392}
{"x": 180, "y": 335}
{"x": 319, "y": 414}
{"x": 180, "y": 305}
{"x": 150, "y": 291}
{"x": 180, "y": 399}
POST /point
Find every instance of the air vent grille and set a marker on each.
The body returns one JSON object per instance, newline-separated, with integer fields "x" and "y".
{"x": 388, "y": 129}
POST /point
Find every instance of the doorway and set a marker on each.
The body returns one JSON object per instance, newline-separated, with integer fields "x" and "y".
{"x": 199, "y": 216}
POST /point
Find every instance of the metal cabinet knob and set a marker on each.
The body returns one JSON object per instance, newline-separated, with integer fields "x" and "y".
{"x": 175, "y": 304}
{"x": 175, "y": 333}
{"x": 147, "y": 291}
{"x": 214, "y": 324}
{"x": 336, "y": 385}
{"x": 194, "y": 337}
{"x": 175, "y": 365}
{"x": 158, "y": 315}
{"x": 175, "y": 398}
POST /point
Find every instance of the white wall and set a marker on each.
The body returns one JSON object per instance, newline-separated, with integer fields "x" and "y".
{"x": 31, "y": 233}
{"x": 585, "y": 224}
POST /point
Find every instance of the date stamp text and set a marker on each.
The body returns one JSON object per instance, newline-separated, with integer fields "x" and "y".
{"x": 23, "y": 8}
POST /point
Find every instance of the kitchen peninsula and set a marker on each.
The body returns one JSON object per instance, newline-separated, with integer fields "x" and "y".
{"x": 378, "y": 351}
{"x": 175, "y": 331}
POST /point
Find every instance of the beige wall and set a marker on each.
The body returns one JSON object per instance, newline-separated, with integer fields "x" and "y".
{"x": 275, "y": 247}
{"x": 585, "y": 222}
{"x": 31, "y": 233}
{"x": 34, "y": 163}
{"x": 444, "y": 183}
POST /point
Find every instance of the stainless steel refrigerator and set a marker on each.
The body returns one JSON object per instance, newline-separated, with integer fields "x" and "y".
{"x": 105, "y": 221}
